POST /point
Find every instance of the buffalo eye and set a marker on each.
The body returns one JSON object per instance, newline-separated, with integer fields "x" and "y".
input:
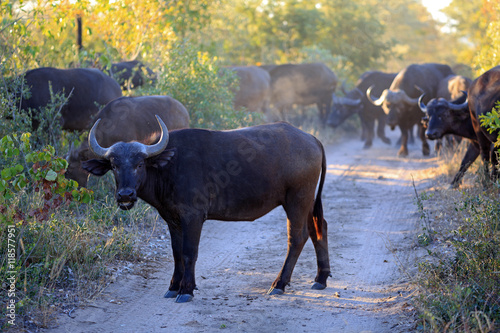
{"x": 113, "y": 167}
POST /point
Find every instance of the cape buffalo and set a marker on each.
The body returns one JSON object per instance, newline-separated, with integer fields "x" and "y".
{"x": 254, "y": 91}
{"x": 451, "y": 88}
{"x": 128, "y": 119}
{"x": 445, "y": 117}
{"x": 400, "y": 101}
{"x": 356, "y": 102}
{"x": 89, "y": 88}
{"x": 192, "y": 175}
{"x": 132, "y": 74}
{"x": 302, "y": 84}
{"x": 484, "y": 93}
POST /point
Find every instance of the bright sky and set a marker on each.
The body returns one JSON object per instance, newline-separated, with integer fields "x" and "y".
{"x": 434, "y": 7}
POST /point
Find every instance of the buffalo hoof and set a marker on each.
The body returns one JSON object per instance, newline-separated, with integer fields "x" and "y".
{"x": 184, "y": 298}
{"x": 318, "y": 286}
{"x": 275, "y": 291}
{"x": 367, "y": 145}
{"x": 403, "y": 153}
{"x": 386, "y": 140}
{"x": 171, "y": 294}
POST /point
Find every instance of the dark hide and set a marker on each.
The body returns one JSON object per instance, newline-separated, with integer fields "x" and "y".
{"x": 91, "y": 89}
{"x": 367, "y": 112}
{"x": 484, "y": 92}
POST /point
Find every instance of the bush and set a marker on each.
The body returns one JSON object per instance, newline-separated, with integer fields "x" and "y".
{"x": 196, "y": 80}
{"x": 461, "y": 288}
{"x": 48, "y": 241}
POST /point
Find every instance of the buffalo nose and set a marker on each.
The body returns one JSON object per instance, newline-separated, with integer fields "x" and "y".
{"x": 126, "y": 195}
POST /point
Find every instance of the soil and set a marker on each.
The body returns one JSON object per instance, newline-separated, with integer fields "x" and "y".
{"x": 369, "y": 203}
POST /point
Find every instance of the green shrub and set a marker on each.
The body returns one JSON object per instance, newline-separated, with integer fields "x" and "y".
{"x": 196, "y": 80}
{"x": 48, "y": 241}
{"x": 461, "y": 290}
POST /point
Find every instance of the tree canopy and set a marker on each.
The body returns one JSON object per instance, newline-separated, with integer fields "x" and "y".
{"x": 349, "y": 36}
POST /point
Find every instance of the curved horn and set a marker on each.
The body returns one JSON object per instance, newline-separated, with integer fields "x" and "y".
{"x": 379, "y": 101}
{"x": 157, "y": 148}
{"x": 343, "y": 88}
{"x": 408, "y": 99}
{"x": 421, "y": 104}
{"x": 462, "y": 106}
{"x": 94, "y": 146}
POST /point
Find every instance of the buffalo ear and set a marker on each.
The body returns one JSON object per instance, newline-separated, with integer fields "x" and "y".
{"x": 96, "y": 167}
{"x": 162, "y": 159}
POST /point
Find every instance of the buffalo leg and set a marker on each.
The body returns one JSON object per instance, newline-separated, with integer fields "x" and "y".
{"x": 381, "y": 130}
{"x": 368, "y": 126}
{"x": 426, "y": 150}
{"x": 190, "y": 244}
{"x": 297, "y": 237}
{"x": 403, "y": 150}
{"x": 470, "y": 156}
{"x": 176, "y": 239}
{"x": 321, "y": 248}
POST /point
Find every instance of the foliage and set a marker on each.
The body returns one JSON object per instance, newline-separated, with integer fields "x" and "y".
{"x": 202, "y": 86}
{"x": 491, "y": 121}
{"x": 461, "y": 292}
{"x": 487, "y": 55}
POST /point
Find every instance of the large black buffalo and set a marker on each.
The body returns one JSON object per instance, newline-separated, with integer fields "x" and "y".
{"x": 484, "y": 93}
{"x": 302, "y": 84}
{"x": 89, "y": 89}
{"x": 400, "y": 101}
{"x": 445, "y": 117}
{"x": 356, "y": 102}
{"x": 192, "y": 175}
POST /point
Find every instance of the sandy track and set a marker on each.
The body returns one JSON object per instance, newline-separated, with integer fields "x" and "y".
{"x": 369, "y": 205}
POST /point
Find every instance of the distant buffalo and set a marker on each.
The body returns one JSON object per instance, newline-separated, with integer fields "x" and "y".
{"x": 128, "y": 119}
{"x": 132, "y": 74}
{"x": 254, "y": 91}
{"x": 302, "y": 84}
{"x": 89, "y": 89}
{"x": 356, "y": 102}
{"x": 400, "y": 101}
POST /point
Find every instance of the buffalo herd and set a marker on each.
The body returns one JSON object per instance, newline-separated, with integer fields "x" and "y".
{"x": 191, "y": 175}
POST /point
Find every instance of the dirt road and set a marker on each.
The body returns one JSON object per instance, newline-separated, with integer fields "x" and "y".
{"x": 373, "y": 220}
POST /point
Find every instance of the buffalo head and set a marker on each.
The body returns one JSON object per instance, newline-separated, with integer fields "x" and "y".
{"x": 440, "y": 114}
{"x": 393, "y": 102}
{"x": 342, "y": 108}
{"x": 129, "y": 162}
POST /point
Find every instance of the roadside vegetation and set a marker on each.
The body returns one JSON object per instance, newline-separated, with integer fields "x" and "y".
{"x": 60, "y": 242}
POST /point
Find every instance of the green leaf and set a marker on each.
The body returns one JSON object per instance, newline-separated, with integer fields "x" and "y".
{"x": 6, "y": 174}
{"x": 51, "y": 175}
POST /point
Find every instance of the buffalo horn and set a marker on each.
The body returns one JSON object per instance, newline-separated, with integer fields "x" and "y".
{"x": 94, "y": 146}
{"x": 408, "y": 99}
{"x": 421, "y": 104}
{"x": 377, "y": 102}
{"x": 462, "y": 106}
{"x": 157, "y": 148}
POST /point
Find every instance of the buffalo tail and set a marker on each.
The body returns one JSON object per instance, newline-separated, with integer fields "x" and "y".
{"x": 318, "y": 206}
